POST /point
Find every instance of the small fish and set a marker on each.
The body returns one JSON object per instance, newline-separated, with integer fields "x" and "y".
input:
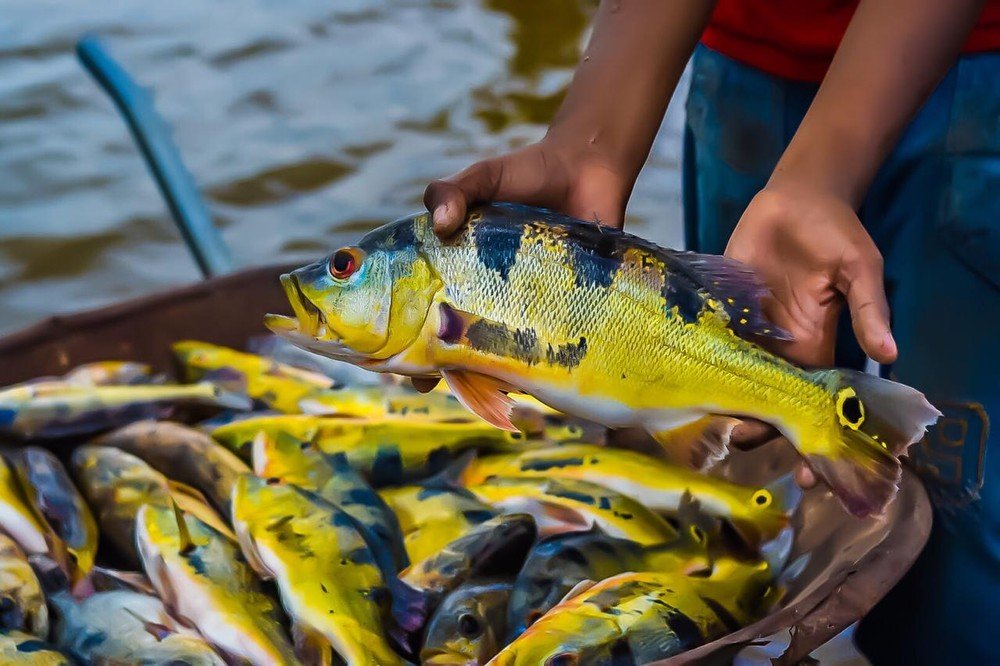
{"x": 358, "y": 402}
{"x": 110, "y": 373}
{"x": 116, "y": 484}
{"x": 185, "y": 454}
{"x": 50, "y": 490}
{"x": 20, "y": 649}
{"x": 21, "y": 521}
{"x": 602, "y": 325}
{"x": 558, "y": 563}
{"x": 388, "y": 451}
{"x": 757, "y": 513}
{"x": 468, "y": 627}
{"x": 277, "y": 385}
{"x": 576, "y": 504}
{"x": 433, "y": 515}
{"x": 126, "y": 628}
{"x": 327, "y": 576}
{"x": 59, "y": 409}
{"x": 638, "y": 618}
{"x": 332, "y": 478}
{"x": 204, "y": 580}
{"x": 496, "y": 547}
{"x": 22, "y": 604}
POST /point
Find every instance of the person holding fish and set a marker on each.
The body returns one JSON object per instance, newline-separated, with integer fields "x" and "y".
{"x": 849, "y": 153}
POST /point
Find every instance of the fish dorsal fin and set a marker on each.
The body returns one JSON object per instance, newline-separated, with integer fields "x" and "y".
{"x": 183, "y": 533}
{"x": 483, "y": 396}
{"x": 734, "y": 287}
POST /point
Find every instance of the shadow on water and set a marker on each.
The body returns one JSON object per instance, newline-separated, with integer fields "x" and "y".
{"x": 304, "y": 125}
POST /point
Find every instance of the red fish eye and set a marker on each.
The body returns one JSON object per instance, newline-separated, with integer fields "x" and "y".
{"x": 343, "y": 263}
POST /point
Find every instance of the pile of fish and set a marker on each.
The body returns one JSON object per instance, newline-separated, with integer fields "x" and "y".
{"x": 262, "y": 512}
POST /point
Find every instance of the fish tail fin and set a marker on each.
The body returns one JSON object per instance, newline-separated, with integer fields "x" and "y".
{"x": 876, "y": 421}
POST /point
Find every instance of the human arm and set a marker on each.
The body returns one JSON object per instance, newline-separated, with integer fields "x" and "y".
{"x": 599, "y": 139}
{"x": 801, "y": 232}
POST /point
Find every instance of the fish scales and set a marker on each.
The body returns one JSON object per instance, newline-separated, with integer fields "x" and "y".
{"x": 605, "y": 302}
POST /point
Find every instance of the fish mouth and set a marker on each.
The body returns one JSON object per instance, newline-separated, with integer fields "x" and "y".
{"x": 440, "y": 656}
{"x": 306, "y": 320}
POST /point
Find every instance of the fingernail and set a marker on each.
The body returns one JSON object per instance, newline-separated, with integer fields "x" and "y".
{"x": 888, "y": 343}
{"x": 440, "y": 214}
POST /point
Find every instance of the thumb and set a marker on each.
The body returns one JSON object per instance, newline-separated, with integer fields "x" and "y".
{"x": 447, "y": 199}
{"x": 862, "y": 284}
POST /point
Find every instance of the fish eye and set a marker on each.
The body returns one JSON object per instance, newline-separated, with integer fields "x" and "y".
{"x": 761, "y": 499}
{"x": 345, "y": 262}
{"x": 697, "y": 534}
{"x": 469, "y": 626}
{"x": 850, "y": 410}
{"x": 563, "y": 659}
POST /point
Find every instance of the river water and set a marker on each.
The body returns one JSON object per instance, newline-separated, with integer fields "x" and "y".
{"x": 304, "y": 123}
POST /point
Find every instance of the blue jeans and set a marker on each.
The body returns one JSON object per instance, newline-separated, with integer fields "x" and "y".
{"x": 934, "y": 212}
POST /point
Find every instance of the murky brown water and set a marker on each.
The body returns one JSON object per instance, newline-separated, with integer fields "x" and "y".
{"x": 304, "y": 126}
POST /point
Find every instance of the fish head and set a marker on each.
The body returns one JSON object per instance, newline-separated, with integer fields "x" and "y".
{"x": 467, "y": 628}
{"x": 363, "y": 303}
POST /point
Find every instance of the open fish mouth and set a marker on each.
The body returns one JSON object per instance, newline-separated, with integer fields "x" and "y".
{"x": 307, "y": 320}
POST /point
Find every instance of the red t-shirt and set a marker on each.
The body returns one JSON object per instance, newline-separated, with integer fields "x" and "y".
{"x": 796, "y": 39}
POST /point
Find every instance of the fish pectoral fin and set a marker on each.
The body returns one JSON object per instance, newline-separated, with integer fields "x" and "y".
{"x": 483, "y": 396}
{"x": 311, "y": 647}
{"x": 698, "y": 444}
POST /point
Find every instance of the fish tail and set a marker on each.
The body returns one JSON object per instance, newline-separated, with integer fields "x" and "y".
{"x": 875, "y": 421}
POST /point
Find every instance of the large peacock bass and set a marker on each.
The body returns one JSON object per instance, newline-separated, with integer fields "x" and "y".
{"x": 600, "y": 324}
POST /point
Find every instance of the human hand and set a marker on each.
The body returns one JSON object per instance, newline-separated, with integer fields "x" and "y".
{"x": 811, "y": 250}
{"x": 546, "y": 174}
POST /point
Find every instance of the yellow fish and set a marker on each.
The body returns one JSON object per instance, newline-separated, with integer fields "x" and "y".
{"x": 60, "y": 409}
{"x": 644, "y": 617}
{"x": 21, "y": 595}
{"x": 757, "y": 513}
{"x": 49, "y": 489}
{"x": 388, "y": 451}
{"x": 22, "y": 522}
{"x": 578, "y": 504}
{"x": 186, "y": 454}
{"x": 200, "y": 576}
{"x": 431, "y": 517}
{"x": 602, "y": 325}
{"x": 277, "y": 385}
{"x": 327, "y": 576}
{"x": 117, "y": 484}
{"x": 332, "y": 478}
